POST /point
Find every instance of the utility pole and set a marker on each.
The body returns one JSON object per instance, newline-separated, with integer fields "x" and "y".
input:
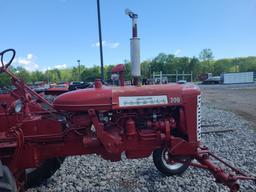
{"x": 78, "y": 61}
{"x": 100, "y": 42}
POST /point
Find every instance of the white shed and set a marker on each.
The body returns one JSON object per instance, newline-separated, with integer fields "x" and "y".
{"x": 243, "y": 77}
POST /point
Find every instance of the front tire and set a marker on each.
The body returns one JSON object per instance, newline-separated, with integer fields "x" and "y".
{"x": 168, "y": 165}
{"x": 35, "y": 177}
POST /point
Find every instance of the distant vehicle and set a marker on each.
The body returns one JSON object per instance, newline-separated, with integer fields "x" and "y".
{"x": 212, "y": 79}
{"x": 208, "y": 78}
{"x": 78, "y": 85}
{"x": 163, "y": 80}
{"x": 39, "y": 86}
{"x": 57, "y": 89}
{"x": 203, "y": 77}
{"x": 181, "y": 81}
{"x": 3, "y": 91}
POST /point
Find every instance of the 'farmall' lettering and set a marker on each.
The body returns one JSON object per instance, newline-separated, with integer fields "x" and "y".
{"x": 142, "y": 100}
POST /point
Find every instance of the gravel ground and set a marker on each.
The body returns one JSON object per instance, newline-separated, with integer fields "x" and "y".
{"x": 232, "y": 97}
{"x": 91, "y": 173}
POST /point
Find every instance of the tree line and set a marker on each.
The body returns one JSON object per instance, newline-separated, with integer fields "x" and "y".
{"x": 167, "y": 63}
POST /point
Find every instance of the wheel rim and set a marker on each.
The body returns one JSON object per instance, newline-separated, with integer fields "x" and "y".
{"x": 172, "y": 165}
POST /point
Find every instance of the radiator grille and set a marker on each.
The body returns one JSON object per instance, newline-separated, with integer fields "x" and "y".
{"x": 198, "y": 117}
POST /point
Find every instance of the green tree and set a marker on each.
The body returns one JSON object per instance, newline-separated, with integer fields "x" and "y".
{"x": 23, "y": 74}
{"x": 206, "y": 57}
{"x": 128, "y": 75}
{"x": 146, "y": 69}
{"x": 36, "y": 76}
{"x": 90, "y": 74}
{"x": 107, "y": 71}
{"x": 4, "y": 80}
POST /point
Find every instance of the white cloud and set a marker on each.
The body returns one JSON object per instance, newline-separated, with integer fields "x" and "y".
{"x": 111, "y": 45}
{"x": 98, "y": 44}
{"x": 28, "y": 62}
{"x": 177, "y": 52}
{"x": 63, "y": 66}
{"x": 45, "y": 69}
{"x": 60, "y": 66}
{"x": 23, "y": 61}
{"x": 29, "y": 56}
{"x": 114, "y": 45}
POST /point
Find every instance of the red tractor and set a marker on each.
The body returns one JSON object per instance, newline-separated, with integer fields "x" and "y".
{"x": 36, "y": 136}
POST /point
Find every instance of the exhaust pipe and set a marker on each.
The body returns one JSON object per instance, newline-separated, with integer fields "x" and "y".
{"x": 135, "y": 48}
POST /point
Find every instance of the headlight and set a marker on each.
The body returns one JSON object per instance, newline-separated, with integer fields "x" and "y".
{"x": 18, "y": 106}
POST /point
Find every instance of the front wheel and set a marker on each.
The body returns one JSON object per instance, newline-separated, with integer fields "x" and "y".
{"x": 37, "y": 176}
{"x": 169, "y": 165}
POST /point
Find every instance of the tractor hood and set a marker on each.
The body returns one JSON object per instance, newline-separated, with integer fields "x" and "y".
{"x": 108, "y": 98}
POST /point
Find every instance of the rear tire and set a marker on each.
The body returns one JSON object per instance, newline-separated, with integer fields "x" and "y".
{"x": 35, "y": 177}
{"x": 169, "y": 167}
{"x": 7, "y": 181}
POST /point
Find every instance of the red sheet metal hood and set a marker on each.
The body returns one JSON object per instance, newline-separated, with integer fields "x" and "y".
{"x": 107, "y": 98}
{"x": 84, "y": 99}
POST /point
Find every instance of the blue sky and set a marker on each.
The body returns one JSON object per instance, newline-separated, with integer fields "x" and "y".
{"x": 55, "y": 33}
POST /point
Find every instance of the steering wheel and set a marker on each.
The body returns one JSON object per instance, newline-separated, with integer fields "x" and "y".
{"x": 6, "y": 65}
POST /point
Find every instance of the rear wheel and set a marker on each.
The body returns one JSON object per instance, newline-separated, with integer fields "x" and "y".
{"x": 7, "y": 181}
{"x": 169, "y": 165}
{"x": 36, "y": 176}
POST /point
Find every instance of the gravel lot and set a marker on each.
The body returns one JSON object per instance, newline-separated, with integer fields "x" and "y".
{"x": 91, "y": 173}
{"x": 238, "y": 98}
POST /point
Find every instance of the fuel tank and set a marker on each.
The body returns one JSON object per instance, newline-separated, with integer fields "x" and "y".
{"x": 108, "y": 98}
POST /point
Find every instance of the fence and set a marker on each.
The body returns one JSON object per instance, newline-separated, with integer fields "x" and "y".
{"x": 175, "y": 77}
